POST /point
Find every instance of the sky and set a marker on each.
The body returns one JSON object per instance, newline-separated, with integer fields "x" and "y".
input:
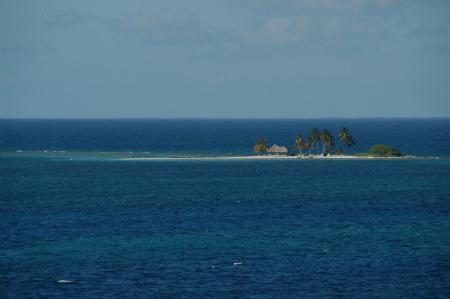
{"x": 224, "y": 58}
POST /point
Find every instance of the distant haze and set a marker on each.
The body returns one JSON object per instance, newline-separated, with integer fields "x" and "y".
{"x": 224, "y": 58}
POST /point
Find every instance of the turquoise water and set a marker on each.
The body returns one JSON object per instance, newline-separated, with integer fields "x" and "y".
{"x": 89, "y": 225}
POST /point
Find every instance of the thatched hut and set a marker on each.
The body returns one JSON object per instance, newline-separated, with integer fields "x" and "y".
{"x": 278, "y": 150}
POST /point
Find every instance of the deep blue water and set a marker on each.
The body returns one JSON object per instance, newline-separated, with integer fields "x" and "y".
{"x": 301, "y": 228}
{"x": 420, "y": 137}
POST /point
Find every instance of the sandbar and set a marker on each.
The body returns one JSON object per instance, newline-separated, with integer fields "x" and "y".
{"x": 269, "y": 157}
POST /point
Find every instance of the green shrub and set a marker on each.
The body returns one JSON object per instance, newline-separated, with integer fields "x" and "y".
{"x": 385, "y": 151}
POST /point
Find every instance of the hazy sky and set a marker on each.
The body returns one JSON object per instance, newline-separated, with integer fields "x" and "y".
{"x": 225, "y": 58}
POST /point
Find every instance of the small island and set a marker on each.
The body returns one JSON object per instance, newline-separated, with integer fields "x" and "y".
{"x": 323, "y": 144}
{"x": 316, "y": 137}
{"x": 319, "y": 145}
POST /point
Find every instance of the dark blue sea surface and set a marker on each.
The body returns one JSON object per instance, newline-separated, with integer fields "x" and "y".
{"x": 162, "y": 137}
{"x": 81, "y": 223}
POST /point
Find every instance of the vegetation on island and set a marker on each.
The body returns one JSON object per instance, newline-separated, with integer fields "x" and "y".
{"x": 312, "y": 142}
{"x": 300, "y": 144}
{"x": 314, "y": 139}
{"x": 327, "y": 139}
{"x": 346, "y": 139}
{"x": 327, "y": 142}
{"x": 261, "y": 146}
{"x": 385, "y": 151}
{"x": 317, "y": 137}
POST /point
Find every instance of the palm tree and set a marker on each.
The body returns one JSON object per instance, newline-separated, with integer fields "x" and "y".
{"x": 261, "y": 145}
{"x": 315, "y": 137}
{"x": 300, "y": 144}
{"x": 331, "y": 144}
{"x": 309, "y": 145}
{"x": 346, "y": 138}
{"x": 327, "y": 141}
{"x": 323, "y": 138}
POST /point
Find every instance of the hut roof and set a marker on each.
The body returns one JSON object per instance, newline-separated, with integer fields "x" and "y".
{"x": 278, "y": 149}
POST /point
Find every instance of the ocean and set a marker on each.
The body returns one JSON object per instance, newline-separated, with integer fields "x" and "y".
{"x": 79, "y": 221}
